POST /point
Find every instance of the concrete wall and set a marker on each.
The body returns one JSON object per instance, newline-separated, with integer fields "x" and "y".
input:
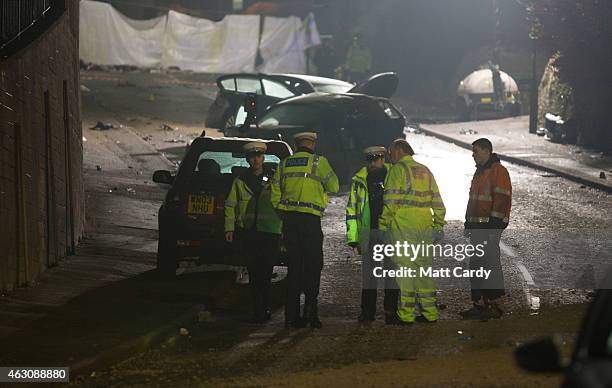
{"x": 41, "y": 153}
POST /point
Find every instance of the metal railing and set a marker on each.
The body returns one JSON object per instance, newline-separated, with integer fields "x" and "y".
{"x": 26, "y": 18}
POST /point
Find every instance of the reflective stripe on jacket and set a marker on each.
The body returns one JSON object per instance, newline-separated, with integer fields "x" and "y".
{"x": 241, "y": 207}
{"x": 490, "y": 195}
{"x": 358, "y": 208}
{"x": 301, "y": 183}
{"x": 411, "y": 198}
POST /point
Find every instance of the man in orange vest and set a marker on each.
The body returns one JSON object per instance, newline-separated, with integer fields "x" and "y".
{"x": 487, "y": 215}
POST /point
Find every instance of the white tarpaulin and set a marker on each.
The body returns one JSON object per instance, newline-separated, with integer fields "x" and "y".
{"x": 106, "y": 37}
{"x": 109, "y": 38}
{"x": 211, "y": 47}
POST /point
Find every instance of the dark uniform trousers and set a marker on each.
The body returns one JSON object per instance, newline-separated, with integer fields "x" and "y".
{"x": 370, "y": 284}
{"x": 262, "y": 250}
{"x": 493, "y": 287}
{"x": 303, "y": 240}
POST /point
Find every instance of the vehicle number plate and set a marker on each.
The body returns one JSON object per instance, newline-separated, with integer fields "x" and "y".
{"x": 201, "y": 204}
{"x": 486, "y": 99}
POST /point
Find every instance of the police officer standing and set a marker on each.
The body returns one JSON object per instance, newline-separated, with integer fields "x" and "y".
{"x": 251, "y": 220}
{"x": 363, "y": 210}
{"x": 299, "y": 192}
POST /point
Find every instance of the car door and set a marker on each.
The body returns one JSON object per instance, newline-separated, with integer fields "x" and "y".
{"x": 379, "y": 85}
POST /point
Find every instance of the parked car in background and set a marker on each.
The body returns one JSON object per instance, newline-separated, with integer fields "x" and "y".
{"x": 479, "y": 97}
{"x": 346, "y": 123}
{"x": 191, "y": 218}
{"x": 268, "y": 89}
{"x": 591, "y": 364}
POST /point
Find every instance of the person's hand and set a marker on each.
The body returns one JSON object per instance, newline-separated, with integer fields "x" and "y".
{"x": 438, "y": 235}
{"x": 229, "y": 237}
{"x": 355, "y": 246}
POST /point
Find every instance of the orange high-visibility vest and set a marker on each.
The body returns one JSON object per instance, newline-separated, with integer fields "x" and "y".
{"x": 490, "y": 196}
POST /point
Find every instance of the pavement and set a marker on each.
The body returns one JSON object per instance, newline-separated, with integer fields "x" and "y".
{"x": 513, "y": 143}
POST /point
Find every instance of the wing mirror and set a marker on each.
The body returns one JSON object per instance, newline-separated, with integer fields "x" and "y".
{"x": 163, "y": 176}
{"x": 540, "y": 355}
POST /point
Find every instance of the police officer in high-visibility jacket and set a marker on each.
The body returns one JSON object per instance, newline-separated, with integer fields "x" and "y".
{"x": 251, "y": 220}
{"x": 363, "y": 210}
{"x": 486, "y": 217}
{"x": 413, "y": 212}
{"x": 299, "y": 192}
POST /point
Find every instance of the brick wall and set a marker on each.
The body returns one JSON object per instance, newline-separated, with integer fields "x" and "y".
{"x": 41, "y": 153}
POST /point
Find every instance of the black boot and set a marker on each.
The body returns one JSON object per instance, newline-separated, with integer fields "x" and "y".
{"x": 313, "y": 317}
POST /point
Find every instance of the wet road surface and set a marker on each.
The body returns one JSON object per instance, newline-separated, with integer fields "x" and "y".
{"x": 553, "y": 253}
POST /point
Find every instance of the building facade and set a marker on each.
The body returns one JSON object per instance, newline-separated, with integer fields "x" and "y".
{"x": 41, "y": 149}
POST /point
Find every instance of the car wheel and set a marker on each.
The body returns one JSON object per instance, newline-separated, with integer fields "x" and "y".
{"x": 166, "y": 256}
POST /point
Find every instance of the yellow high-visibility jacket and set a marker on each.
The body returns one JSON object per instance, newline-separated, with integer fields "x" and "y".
{"x": 241, "y": 208}
{"x": 358, "y": 209}
{"x": 301, "y": 183}
{"x": 411, "y": 201}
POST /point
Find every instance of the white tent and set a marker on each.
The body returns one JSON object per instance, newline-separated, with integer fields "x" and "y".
{"x": 109, "y": 38}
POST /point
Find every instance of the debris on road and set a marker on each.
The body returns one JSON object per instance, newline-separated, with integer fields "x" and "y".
{"x": 131, "y": 190}
{"x": 85, "y": 88}
{"x": 125, "y": 84}
{"x": 102, "y": 126}
{"x": 416, "y": 129}
{"x": 184, "y": 331}
{"x": 602, "y": 175}
{"x": 468, "y": 132}
{"x": 167, "y": 127}
{"x": 84, "y": 139}
{"x": 147, "y": 138}
{"x": 98, "y": 167}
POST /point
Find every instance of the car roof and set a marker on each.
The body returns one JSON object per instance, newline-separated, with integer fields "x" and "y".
{"x": 312, "y": 79}
{"x": 328, "y": 98}
{"x": 235, "y": 144}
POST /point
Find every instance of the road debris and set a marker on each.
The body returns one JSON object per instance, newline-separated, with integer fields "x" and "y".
{"x": 184, "y": 331}
{"x": 602, "y": 175}
{"x": 468, "y": 132}
{"x": 98, "y": 167}
{"x": 85, "y": 88}
{"x": 167, "y": 127}
{"x": 131, "y": 190}
{"x": 416, "y": 129}
{"x": 147, "y": 138}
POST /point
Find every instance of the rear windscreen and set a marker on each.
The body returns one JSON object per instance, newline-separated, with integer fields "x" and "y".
{"x": 227, "y": 160}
